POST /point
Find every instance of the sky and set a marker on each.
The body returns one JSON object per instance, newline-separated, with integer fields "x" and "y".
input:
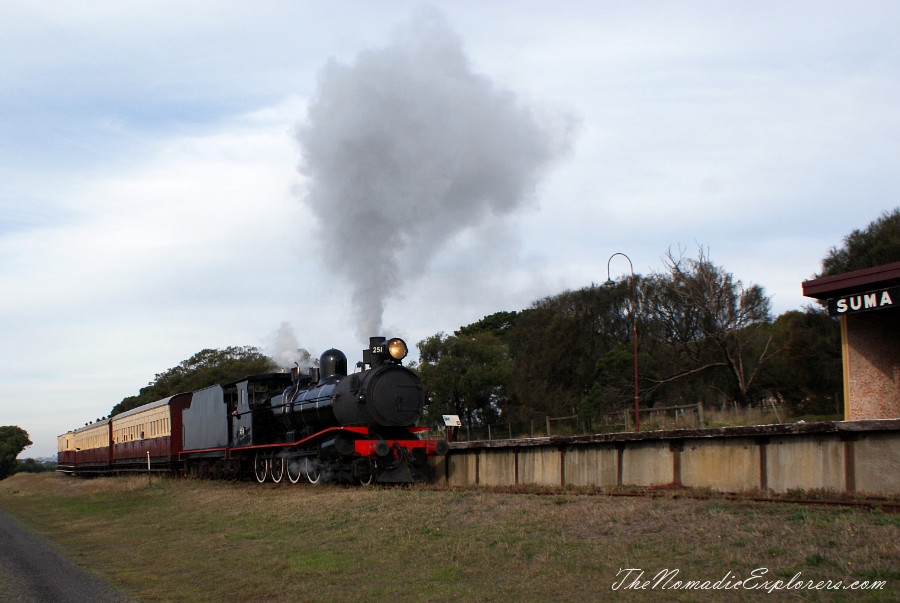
{"x": 178, "y": 176}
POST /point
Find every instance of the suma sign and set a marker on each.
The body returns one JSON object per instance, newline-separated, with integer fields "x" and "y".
{"x": 865, "y": 302}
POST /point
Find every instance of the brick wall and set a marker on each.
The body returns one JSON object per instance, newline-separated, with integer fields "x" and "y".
{"x": 872, "y": 365}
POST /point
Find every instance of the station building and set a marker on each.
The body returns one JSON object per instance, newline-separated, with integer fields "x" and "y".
{"x": 868, "y": 304}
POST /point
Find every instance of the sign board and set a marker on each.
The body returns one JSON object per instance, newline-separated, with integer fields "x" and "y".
{"x": 452, "y": 421}
{"x": 881, "y": 299}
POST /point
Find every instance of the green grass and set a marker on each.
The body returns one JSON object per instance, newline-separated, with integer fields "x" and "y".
{"x": 179, "y": 540}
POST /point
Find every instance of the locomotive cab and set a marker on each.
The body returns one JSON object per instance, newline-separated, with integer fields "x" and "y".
{"x": 248, "y": 402}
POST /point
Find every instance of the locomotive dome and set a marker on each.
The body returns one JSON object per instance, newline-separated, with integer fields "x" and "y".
{"x": 332, "y": 363}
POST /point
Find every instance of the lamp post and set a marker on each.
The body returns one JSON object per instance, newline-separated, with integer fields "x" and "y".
{"x": 637, "y": 405}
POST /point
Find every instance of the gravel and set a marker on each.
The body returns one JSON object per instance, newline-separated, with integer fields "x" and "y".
{"x": 31, "y": 571}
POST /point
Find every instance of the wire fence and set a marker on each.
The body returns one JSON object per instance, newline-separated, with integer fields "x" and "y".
{"x": 688, "y": 416}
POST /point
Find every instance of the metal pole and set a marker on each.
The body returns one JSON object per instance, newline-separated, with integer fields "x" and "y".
{"x": 637, "y": 405}
{"x": 149, "y": 480}
{"x": 634, "y": 335}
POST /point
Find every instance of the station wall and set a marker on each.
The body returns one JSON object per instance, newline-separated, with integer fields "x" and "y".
{"x": 839, "y": 457}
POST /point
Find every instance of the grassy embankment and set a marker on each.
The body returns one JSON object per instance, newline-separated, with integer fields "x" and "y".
{"x": 222, "y": 541}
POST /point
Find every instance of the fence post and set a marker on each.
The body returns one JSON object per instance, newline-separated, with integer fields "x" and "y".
{"x": 548, "y": 426}
{"x": 700, "y": 413}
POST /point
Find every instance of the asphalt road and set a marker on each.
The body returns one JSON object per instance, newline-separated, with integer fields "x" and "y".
{"x": 31, "y": 571}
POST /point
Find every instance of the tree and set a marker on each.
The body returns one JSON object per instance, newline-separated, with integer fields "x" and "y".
{"x": 613, "y": 386}
{"x": 466, "y": 374}
{"x": 206, "y": 367}
{"x": 710, "y": 322}
{"x": 499, "y": 324}
{"x": 808, "y": 375}
{"x": 553, "y": 357}
{"x": 30, "y": 465}
{"x": 704, "y": 336}
{"x": 13, "y": 440}
{"x": 878, "y": 244}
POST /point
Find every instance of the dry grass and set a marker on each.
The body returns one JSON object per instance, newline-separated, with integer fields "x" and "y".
{"x": 224, "y": 541}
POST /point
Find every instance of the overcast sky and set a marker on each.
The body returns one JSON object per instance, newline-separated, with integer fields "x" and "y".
{"x": 172, "y": 173}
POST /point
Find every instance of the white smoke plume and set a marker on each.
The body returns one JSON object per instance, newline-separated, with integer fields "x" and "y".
{"x": 407, "y": 147}
{"x": 284, "y": 349}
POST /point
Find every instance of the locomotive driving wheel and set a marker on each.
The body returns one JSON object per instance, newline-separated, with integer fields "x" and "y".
{"x": 261, "y": 466}
{"x": 312, "y": 472}
{"x": 295, "y": 468}
{"x": 276, "y": 468}
{"x": 369, "y": 477}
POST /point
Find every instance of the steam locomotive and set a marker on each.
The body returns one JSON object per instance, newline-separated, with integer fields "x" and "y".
{"x": 325, "y": 425}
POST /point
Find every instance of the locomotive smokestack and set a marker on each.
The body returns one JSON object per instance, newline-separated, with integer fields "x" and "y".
{"x": 369, "y": 355}
{"x": 407, "y": 147}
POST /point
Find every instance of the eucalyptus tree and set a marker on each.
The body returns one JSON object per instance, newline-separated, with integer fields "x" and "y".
{"x": 707, "y": 322}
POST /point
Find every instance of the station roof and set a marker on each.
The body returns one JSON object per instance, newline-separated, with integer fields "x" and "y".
{"x": 858, "y": 281}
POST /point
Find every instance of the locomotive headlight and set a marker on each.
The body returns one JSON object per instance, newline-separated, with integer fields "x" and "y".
{"x": 397, "y": 349}
{"x": 381, "y": 351}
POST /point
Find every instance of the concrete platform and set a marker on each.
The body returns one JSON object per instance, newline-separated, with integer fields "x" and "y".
{"x": 837, "y": 456}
